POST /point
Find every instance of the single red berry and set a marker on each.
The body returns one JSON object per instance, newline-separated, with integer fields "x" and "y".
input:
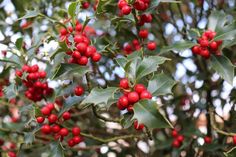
{"x": 96, "y": 57}
{"x": 34, "y": 68}
{"x": 234, "y": 140}
{"x": 124, "y": 83}
{"x": 69, "y": 52}
{"x": 151, "y": 46}
{"x": 138, "y": 126}
{"x": 205, "y": 53}
{"x": 219, "y": 42}
{"x": 71, "y": 143}
{"x": 52, "y": 118}
{"x": 19, "y": 73}
{"x": 11, "y": 154}
{"x": 55, "y": 128}
{"x": 25, "y": 68}
{"x": 66, "y": 115}
{"x": 180, "y": 138}
{"x": 122, "y": 3}
{"x": 207, "y": 139}
{"x": 83, "y": 60}
{"x": 63, "y": 31}
{"x": 119, "y": 106}
{"x": 85, "y": 5}
{"x": 78, "y": 38}
{"x": 50, "y": 106}
{"x": 204, "y": 43}
{"x": 126, "y": 10}
{"x": 64, "y": 132}
{"x": 70, "y": 28}
{"x": 77, "y": 139}
{"x": 196, "y": 50}
{"x": 175, "y": 143}
{"x": 42, "y": 74}
{"x": 76, "y": 54}
{"x": 45, "y": 111}
{"x": 46, "y": 129}
{"x": 143, "y": 33}
{"x": 145, "y": 95}
{"x": 81, "y": 47}
{"x": 90, "y": 51}
{"x": 76, "y": 131}
{"x": 174, "y": 133}
{"x": 133, "y": 97}
{"x": 79, "y": 90}
{"x": 40, "y": 119}
{"x": 135, "y": 42}
{"x": 213, "y": 46}
{"x": 78, "y": 27}
{"x": 139, "y": 88}
{"x": 130, "y": 109}
{"x": 124, "y": 101}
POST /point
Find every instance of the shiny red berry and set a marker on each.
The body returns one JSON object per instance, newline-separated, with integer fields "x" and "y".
{"x": 64, "y": 132}
{"x": 207, "y": 139}
{"x": 213, "y": 46}
{"x": 79, "y": 90}
{"x": 76, "y": 131}
{"x": 77, "y": 139}
{"x": 143, "y": 33}
{"x": 96, "y": 57}
{"x": 40, "y": 119}
{"x": 196, "y": 50}
{"x": 83, "y": 60}
{"x": 46, "y": 129}
{"x": 124, "y": 101}
{"x": 45, "y": 111}
{"x": 139, "y": 88}
{"x": 175, "y": 143}
{"x": 124, "y": 83}
{"x": 145, "y": 95}
{"x": 151, "y": 46}
{"x": 55, "y": 128}
{"x": 66, "y": 115}
{"x": 126, "y": 10}
{"x": 71, "y": 143}
{"x": 138, "y": 126}
{"x": 133, "y": 97}
{"x": 52, "y": 118}
{"x": 180, "y": 138}
{"x": 174, "y": 133}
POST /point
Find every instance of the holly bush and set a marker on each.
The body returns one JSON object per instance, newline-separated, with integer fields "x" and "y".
{"x": 117, "y": 78}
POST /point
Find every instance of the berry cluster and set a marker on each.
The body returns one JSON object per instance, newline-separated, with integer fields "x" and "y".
{"x": 52, "y": 125}
{"x": 129, "y": 98}
{"x": 82, "y": 50}
{"x": 126, "y": 8}
{"x": 36, "y": 87}
{"x": 206, "y": 45}
{"x": 178, "y": 139}
{"x": 8, "y": 147}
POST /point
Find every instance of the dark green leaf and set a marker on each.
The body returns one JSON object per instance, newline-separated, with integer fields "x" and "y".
{"x": 147, "y": 112}
{"x": 217, "y": 20}
{"x": 30, "y": 14}
{"x": 99, "y": 96}
{"x": 179, "y": 46}
{"x": 72, "y": 9}
{"x": 226, "y": 33}
{"x": 101, "y": 6}
{"x": 56, "y": 150}
{"x": 86, "y": 22}
{"x": 66, "y": 69}
{"x": 223, "y": 66}
{"x": 70, "y": 102}
{"x": 121, "y": 61}
{"x": 9, "y": 61}
{"x": 126, "y": 121}
{"x": 161, "y": 84}
{"x": 19, "y": 43}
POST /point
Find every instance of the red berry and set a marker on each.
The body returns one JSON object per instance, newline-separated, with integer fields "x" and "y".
{"x": 34, "y": 68}
{"x": 81, "y": 47}
{"x": 19, "y": 73}
{"x": 69, "y": 52}
{"x": 63, "y": 31}
{"x": 176, "y": 143}
{"x": 145, "y": 95}
{"x": 78, "y": 27}
{"x": 78, "y": 38}
{"x": 71, "y": 143}
{"x": 83, "y": 60}
{"x": 124, "y": 83}
{"x": 143, "y": 33}
{"x": 64, "y": 132}
{"x": 130, "y": 109}
{"x": 42, "y": 74}
{"x": 90, "y": 51}
{"x": 126, "y": 10}
{"x": 138, "y": 126}
{"x": 135, "y": 42}
{"x": 77, "y": 139}
{"x": 85, "y": 5}
{"x": 205, "y": 53}
{"x": 139, "y": 88}
{"x": 219, "y": 42}
{"x": 119, "y": 106}
{"x": 133, "y": 97}
{"x": 96, "y": 57}
{"x": 213, "y": 46}
{"x": 55, "y": 128}
{"x": 40, "y": 119}
{"x": 207, "y": 139}
{"x": 46, "y": 129}
{"x": 52, "y": 118}
{"x": 204, "y": 43}
{"x": 66, "y": 115}
{"x": 11, "y": 154}
{"x": 50, "y": 106}
{"x": 26, "y": 68}
{"x": 70, "y": 28}
{"x": 234, "y": 140}
{"x": 76, "y": 54}
{"x": 124, "y": 101}
{"x": 79, "y": 90}
{"x": 180, "y": 138}
{"x": 196, "y": 50}
{"x": 174, "y": 133}
{"x": 122, "y": 3}
{"x": 76, "y": 131}
{"x": 45, "y": 111}
{"x": 151, "y": 46}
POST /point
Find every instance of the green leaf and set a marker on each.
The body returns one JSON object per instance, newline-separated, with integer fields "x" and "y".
{"x": 72, "y": 9}
{"x": 147, "y": 112}
{"x": 30, "y": 14}
{"x": 10, "y": 91}
{"x": 223, "y": 66}
{"x": 86, "y": 22}
{"x": 155, "y": 3}
{"x": 231, "y": 152}
{"x": 101, "y": 6}
{"x": 66, "y": 69}
{"x": 70, "y": 102}
{"x": 216, "y": 20}
{"x": 19, "y": 43}
{"x": 179, "y": 46}
{"x": 10, "y": 61}
{"x": 161, "y": 84}
{"x": 99, "y": 96}
{"x": 121, "y": 61}
{"x": 56, "y": 150}
{"x": 126, "y": 121}
{"x": 149, "y": 65}
{"x": 226, "y": 33}
{"x": 29, "y": 138}
{"x": 62, "y": 48}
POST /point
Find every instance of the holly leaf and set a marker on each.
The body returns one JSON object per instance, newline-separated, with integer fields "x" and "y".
{"x": 30, "y": 14}
{"x": 179, "y": 46}
{"x": 149, "y": 65}
{"x": 66, "y": 69}
{"x": 161, "y": 84}
{"x": 56, "y": 150}
{"x": 62, "y": 48}
{"x": 99, "y": 96}
{"x": 147, "y": 112}
{"x": 227, "y": 32}
{"x": 101, "y": 6}
{"x": 72, "y": 9}
{"x": 121, "y": 61}
{"x": 10, "y": 91}
{"x": 19, "y": 43}
{"x": 223, "y": 66}
{"x": 216, "y": 20}
{"x": 70, "y": 102}
{"x": 231, "y": 152}
{"x": 29, "y": 138}
{"x": 126, "y": 121}
{"x": 155, "y": 3}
